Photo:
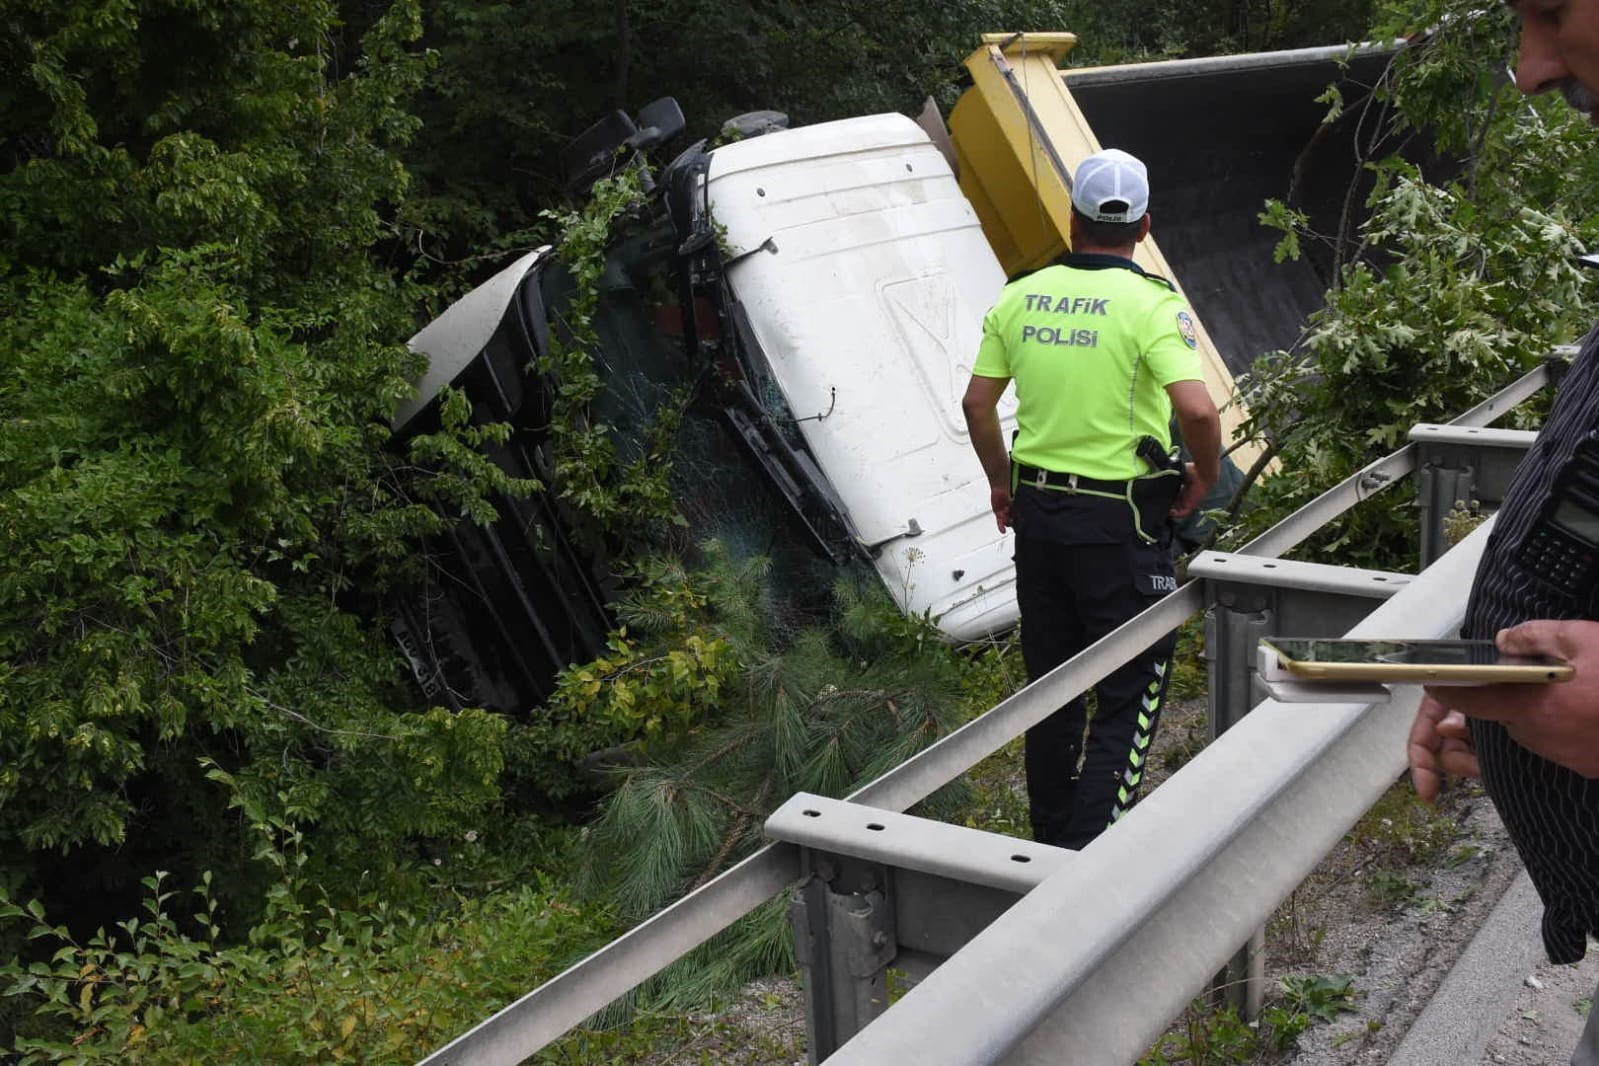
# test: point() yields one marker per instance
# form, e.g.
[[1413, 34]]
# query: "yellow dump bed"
[[1219, 136]]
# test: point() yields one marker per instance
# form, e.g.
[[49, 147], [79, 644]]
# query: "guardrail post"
[[844, 939], [1239, 615], [1439, 489], [1461, 464], [1249, 597]]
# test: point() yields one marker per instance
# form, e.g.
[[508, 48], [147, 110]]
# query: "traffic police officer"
[[1102, 355]]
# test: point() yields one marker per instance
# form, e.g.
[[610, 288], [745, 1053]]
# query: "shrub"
[[312, 982]]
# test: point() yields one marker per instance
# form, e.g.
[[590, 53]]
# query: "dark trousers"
[[1070, 595]]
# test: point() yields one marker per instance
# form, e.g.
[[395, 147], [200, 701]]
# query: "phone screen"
[[1401, 652], [1578, 521]]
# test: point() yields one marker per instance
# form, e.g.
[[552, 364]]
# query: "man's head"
[[1560, 51], [1110, 202]]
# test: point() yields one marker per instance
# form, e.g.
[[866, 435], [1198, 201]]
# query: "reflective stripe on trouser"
[[1143, 737]]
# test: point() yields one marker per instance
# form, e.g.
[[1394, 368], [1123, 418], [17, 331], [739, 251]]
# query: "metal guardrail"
[[1361, 485], [1074, 973], [545, 1014]]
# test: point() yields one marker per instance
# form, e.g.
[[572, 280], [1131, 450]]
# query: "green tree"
[[783, 703], [200, 354], [515, 82], [1111, 31], [1451, 288]]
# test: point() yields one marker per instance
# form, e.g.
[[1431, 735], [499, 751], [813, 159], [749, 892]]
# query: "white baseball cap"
[[1111, 186]]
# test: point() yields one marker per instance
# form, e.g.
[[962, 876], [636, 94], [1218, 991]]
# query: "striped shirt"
[[1551, 813]]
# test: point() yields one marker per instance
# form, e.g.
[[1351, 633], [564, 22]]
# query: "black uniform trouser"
[[1082, 571]]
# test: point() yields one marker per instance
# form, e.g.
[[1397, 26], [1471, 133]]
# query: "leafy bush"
[[1448, 291], [1307, 999], [313, 982], [664, 676], [198, 517]]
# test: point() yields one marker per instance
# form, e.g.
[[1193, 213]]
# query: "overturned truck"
[[817, 293]]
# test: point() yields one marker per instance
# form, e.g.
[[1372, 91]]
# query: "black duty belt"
[[1053, 479]]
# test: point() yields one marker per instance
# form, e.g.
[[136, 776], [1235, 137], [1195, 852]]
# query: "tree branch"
[[734, 833]]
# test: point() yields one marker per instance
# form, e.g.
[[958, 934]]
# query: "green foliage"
[[822, 708], [1205, 1038], [1451, 290], [628, 501], [1190, 676], [1323, 998], [1114, 31], [1208, 1037], [198, 517], [313, 981], [991, 670], [1389, 890], [654, 686], [760, 944], [1306, 1000], [998, 794], [512, 87], [1399, 829]]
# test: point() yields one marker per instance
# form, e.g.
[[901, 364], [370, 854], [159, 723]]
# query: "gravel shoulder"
[[1430, 992]]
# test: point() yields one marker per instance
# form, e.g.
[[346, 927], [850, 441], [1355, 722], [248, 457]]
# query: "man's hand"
[[999, 500], [1440, 743], [1558, 720], [1193, 494]]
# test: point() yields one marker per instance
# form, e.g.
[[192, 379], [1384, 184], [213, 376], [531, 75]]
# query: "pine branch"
[[734, 834]]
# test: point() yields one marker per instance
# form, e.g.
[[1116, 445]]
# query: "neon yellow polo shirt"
[[1091, 343]]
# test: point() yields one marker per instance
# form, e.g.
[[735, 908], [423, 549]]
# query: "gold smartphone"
[[1417, 662]]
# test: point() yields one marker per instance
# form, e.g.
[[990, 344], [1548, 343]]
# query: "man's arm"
[[1201, 428], [981, 407]]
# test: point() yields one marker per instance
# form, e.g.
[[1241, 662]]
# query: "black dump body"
[[1222, 136], [504, 606]]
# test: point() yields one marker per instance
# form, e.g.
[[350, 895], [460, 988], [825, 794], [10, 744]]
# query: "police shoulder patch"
[[1185, 326]]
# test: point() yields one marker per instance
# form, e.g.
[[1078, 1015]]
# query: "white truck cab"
[[865, 275]]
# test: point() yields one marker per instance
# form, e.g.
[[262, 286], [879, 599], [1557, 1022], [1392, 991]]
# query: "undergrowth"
[[312, 982]]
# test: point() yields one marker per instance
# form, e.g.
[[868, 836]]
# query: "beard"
[[1580, 97]]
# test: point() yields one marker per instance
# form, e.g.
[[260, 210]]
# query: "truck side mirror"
[[592, 154], [659, 121]]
